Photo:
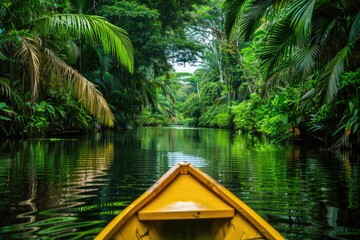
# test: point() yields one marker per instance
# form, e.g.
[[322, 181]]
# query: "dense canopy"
[[285, 69]]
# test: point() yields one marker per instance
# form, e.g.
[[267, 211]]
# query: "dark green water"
[[70, 189]]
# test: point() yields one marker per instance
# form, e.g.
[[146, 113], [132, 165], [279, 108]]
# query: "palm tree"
[[32, 36], [304, 39]]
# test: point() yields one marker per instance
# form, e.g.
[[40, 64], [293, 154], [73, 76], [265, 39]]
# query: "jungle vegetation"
[[285, 69], [71, 66]]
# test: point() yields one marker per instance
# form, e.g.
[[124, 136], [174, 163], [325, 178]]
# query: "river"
[[70, 188]]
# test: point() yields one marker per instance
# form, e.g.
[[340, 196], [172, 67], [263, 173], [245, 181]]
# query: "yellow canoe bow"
[[186, 203]]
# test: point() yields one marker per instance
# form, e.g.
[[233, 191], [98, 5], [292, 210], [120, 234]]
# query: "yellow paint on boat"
[[186, 203]]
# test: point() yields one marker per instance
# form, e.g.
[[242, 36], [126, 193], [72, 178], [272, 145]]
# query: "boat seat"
[[178, 201]]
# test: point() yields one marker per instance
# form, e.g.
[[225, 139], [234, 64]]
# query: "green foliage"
[[192, 108], [33, 55], [143, 25], [303, 39], [5, 89], [271, 119], [338, 123], [278, 117], [148, 118], [51, 35], [4, 108], [41, 118], [210, 93], [156, 42], [73, 116], [322, 119], [96, 30], [204, 105], [350, 81], [6, 115], [216, 116], [349, 126], [348, 132], [174, 14], [67, 115], [244, 114]]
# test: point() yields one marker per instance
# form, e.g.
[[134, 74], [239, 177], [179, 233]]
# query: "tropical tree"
[[158, 35], [306, 41], [36, 30]]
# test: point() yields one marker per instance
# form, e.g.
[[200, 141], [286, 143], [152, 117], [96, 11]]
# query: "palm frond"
[[105, 81], [167, 90], [3, 46], [354, 33], [342, 142], [247, 14], [105, 61], [350, 5], [329, 79], [301, 19], [86, 91], [323, 23], [165, 107], [252, 15], [149, 94], [282, 73], [308, 96], [278, 45], [95, 29], [306, 59], [5, 89], [30, 55], [232, 9]]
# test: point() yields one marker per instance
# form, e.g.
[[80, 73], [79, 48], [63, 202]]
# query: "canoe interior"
[[188, 204], [186, 198], [191, 229]]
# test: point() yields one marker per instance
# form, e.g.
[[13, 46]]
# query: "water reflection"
[[176, 157], [71, 188], [30, 203], [46, 180]]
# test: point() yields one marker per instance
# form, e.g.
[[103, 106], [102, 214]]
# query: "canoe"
[[186, 203]]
